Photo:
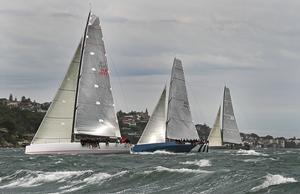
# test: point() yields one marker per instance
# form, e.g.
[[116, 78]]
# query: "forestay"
[[56, 126], [230, 129], [179, 118], [95, 114], [155, 131]]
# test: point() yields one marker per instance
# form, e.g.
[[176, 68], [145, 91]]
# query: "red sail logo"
[[103, 71]]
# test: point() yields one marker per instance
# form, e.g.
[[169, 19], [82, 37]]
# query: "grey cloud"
[[249, 45], [16, 12], [65, 15], [115, 19]]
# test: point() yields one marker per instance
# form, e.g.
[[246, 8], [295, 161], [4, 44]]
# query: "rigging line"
[[119, 81]]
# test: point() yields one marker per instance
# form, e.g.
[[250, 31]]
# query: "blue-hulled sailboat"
[[173, 131]]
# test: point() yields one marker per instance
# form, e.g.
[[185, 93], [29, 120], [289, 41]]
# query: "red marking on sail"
[[103, 71]]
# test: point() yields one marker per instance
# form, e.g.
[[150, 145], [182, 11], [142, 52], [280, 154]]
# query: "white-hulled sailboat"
[[225, 132], [81, 118], [174, 131]]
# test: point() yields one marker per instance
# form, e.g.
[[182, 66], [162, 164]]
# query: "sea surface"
[[231, 171]]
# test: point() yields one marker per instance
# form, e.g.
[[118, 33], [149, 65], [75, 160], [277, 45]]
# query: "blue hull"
[[168, 146]]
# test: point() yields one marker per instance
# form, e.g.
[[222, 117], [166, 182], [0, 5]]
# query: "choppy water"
[[234, 171]]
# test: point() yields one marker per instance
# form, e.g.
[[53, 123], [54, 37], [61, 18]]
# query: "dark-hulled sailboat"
[[81, 118], [167, 131]]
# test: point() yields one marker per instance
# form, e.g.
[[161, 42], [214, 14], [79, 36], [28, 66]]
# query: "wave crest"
[[28, 178], [250, 152], [97, 178], [200, 163], [177, 170], [274, 180]]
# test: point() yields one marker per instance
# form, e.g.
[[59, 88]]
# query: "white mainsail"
[[95, 114], [179, 117], [230, 129], [56, 126], [155, 130], [215, 138]]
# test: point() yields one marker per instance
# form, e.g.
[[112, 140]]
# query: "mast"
[[222, 127], [168, 104], [79, 72]]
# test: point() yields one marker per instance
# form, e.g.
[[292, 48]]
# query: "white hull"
[[77, 148]]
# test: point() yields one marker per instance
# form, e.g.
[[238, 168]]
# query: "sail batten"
[[230, 129], [155, 130], [179, 118]]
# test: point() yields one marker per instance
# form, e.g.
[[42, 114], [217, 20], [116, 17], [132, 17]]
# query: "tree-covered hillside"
[[17, 126]]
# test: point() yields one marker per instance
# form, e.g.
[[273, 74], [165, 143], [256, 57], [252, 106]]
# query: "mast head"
[[176, 61], [90, 4]]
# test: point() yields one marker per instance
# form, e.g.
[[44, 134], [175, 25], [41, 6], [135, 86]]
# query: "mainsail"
[[56, 126], [230, 129], [214, 137], [95, 114], [179, 117], [155, 131]]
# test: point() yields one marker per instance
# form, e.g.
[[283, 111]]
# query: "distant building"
[[24, 104], [297, 141], [293, 143], [133, 117], [269, 142], [12, 104], [280, 142], [129, 120]]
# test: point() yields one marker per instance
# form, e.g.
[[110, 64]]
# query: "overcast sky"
[[252, 46]]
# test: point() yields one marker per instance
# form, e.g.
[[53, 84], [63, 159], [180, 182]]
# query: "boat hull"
[[77, 148], [169, 147]]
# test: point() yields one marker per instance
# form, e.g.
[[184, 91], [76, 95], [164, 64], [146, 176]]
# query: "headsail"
[[179, 117], [214, 137], [95, 114], [155, 131], [230, 129], [56, 126]]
